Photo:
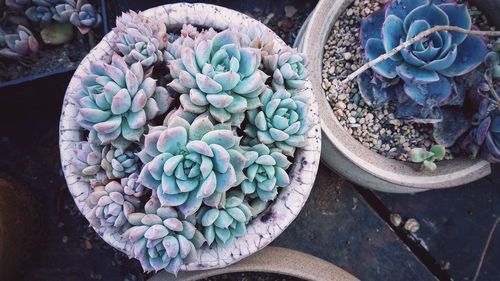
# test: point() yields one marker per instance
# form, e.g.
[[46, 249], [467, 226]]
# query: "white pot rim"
[[262, 229]]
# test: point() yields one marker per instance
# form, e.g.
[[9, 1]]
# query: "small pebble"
[[395, 219], [347, 56], [412, 225]]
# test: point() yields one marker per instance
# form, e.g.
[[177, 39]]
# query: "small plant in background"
[[427, 158], [20, 46], [205, 154], [52, 19], [428, 60]]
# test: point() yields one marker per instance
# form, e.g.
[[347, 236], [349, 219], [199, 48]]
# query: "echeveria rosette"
[[217, 75], [223, 225], [139, 39], [39, 14], [118, 163], [265, 172], [132, 186], [190, 164], [288, 69], [80, 13], [280, 121], [86, 163], [110, 206], [18, 45], [426, 65], [117, 100], [87, 160], [161, 239]]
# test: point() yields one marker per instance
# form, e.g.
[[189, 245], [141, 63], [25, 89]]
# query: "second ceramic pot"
[[344, 154]]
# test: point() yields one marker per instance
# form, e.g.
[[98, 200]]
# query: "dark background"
[[344, 224]]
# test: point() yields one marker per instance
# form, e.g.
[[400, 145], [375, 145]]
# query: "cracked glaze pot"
[[350, 158], [263, 229]]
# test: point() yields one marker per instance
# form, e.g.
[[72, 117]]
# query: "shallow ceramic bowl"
[[344, 154], [263, 229]]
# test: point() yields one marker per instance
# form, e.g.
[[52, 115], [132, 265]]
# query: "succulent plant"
[[224, 224], [87, 160], [110, 206], [288, 69], [217, 75], [427, 65], [62, 12], [17, 4], [80, 13], [256, 37], [39, 14], [117, 100], [118, 163], [19, 45], [139, 39], [280, 121], [492, 61], [265, 172], [190, 164], [161, 239], [427, 158], [131, 185]]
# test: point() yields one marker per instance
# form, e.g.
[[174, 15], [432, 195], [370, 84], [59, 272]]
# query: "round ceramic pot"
[[276, 260], [261, 230], [348, 157]]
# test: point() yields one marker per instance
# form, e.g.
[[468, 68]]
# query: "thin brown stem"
[[418, 37], [486, 246]]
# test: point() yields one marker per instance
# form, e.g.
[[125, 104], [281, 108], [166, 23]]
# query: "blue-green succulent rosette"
[[426, 68], [190, 164]]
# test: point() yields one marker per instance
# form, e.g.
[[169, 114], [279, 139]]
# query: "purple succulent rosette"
[[18, 45], [427, 66]]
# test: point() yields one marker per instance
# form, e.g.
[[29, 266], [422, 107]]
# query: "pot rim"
[[290, 263], [262, 229], [449, 173]]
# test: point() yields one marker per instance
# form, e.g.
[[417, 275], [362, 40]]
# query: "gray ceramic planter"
[[282, 211], [272, 260], [351, 159]]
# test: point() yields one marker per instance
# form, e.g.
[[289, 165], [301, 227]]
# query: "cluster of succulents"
[[190, 135], [51, 19], [439, 79]]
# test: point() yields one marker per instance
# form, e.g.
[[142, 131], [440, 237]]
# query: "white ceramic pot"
[[260, 232], [344, 154]]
